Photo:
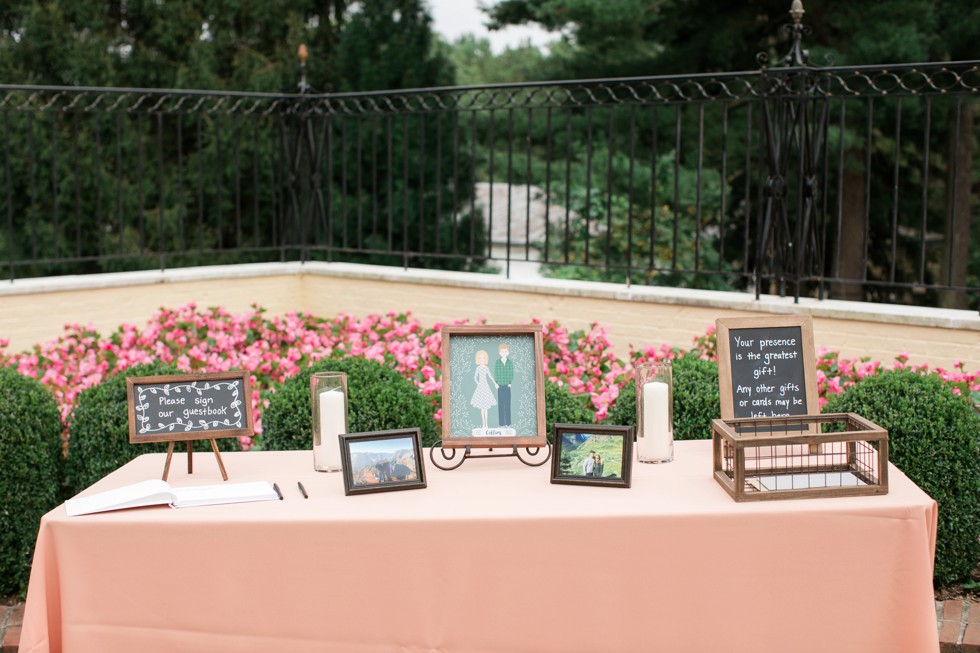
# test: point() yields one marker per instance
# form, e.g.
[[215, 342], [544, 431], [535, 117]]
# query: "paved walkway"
[[959, 626], [11, 617], [957, 633]]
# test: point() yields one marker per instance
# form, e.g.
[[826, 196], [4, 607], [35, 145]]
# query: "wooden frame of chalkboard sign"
[[767, 367], [190, 407]]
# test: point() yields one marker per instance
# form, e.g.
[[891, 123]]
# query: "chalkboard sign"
[[766, 366], [189, 407]]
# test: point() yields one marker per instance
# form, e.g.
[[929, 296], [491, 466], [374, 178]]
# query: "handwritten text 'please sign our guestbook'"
[[189, 407]]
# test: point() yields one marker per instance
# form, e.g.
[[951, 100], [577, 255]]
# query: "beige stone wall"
[[27, 319], [632, 323], [639, 317]]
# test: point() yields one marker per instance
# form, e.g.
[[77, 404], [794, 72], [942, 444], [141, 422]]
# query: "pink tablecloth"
[[490, 558]]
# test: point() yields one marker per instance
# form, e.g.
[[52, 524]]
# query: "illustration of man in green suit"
[[503, 374]]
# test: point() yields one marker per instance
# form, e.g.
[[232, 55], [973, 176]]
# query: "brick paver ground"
[[10, 621], [958, 623], [959, 626]]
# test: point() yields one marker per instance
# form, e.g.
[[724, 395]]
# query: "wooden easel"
[[190, 458], [235, 397]]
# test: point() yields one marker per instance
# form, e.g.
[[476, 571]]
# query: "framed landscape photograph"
[[493, 386], [382, 461], [586, 454]]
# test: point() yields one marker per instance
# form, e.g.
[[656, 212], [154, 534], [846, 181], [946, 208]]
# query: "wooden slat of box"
[[733, 438]]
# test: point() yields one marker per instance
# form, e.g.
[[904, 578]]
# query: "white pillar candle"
[[656, 441], [332, 425]]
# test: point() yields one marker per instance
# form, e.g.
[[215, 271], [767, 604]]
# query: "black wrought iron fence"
[[850, 182]]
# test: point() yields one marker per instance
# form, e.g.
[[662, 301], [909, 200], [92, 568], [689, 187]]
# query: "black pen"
[[275, 486], [303, 490]]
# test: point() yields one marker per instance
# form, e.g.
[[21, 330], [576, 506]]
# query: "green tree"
[[114, 182], [128, 177], [475, 63], [388, 44], [606, 39], [687, 36], [210, 44], [397, 182], [702, 36]]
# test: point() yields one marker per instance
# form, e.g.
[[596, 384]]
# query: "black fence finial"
[[797, 56], [303, 53]]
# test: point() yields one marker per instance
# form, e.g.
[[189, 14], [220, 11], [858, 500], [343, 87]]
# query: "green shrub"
[[934, 437], [98, 432], [696, 399], [562, 407], [379, 398], [30, 472]]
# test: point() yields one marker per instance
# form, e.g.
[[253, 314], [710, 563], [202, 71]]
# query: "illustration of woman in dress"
[[483, 397], [597, 469]]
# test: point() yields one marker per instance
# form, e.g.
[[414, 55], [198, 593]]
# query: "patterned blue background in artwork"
[[463, 417]]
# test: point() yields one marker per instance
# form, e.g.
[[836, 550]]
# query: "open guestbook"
[[156, 492]]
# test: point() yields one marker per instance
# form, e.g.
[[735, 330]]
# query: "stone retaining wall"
[[35, 310]]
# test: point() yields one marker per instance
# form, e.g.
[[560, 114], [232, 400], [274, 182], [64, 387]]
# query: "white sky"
[[453, 18]]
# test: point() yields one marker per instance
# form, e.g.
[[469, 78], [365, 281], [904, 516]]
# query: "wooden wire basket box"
[[800, 457]]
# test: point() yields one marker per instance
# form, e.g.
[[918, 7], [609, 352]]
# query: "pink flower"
[[275, 348]]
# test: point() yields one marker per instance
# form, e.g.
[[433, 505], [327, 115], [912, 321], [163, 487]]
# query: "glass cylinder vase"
[[654, 412], [328, 391]]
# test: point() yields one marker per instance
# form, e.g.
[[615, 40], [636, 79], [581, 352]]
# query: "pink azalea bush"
[[276, 348], [272, 349], [584, 362]]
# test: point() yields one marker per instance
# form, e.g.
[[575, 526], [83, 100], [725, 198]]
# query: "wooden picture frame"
[[192, 403], [751, 327], [470, 393], [368, 458], [187, 386], [579, 436]]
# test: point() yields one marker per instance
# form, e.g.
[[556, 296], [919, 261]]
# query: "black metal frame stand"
[[468, 453]]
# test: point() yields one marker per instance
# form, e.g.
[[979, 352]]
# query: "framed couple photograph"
[[382, 461], [587, 454], [493, 386]]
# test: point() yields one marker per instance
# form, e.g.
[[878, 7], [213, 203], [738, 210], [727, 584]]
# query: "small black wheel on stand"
[[533, 452], [450, 459]]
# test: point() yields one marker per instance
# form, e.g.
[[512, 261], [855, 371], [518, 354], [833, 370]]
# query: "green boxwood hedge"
[[30, 472], [563, 407], [696, 399], [379, 398], [98, 432], [934, 437]]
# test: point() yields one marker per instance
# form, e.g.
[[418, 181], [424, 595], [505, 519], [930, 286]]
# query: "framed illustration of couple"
[[493, 386]]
